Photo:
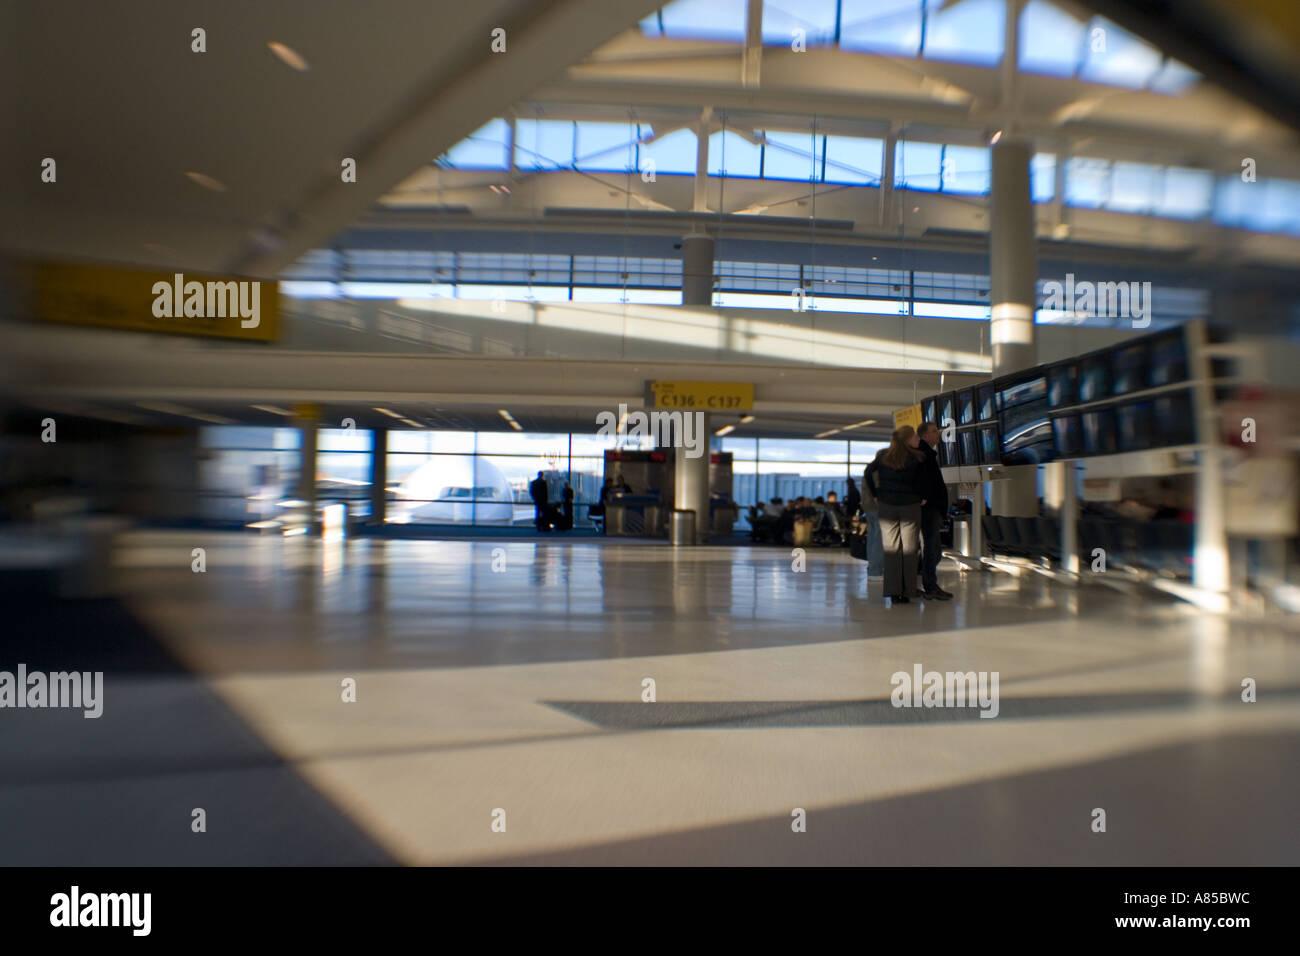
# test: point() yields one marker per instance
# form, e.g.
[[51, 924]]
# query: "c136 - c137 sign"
[[702, 396]]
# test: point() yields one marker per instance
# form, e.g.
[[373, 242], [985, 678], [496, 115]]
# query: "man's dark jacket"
[[933, 490]]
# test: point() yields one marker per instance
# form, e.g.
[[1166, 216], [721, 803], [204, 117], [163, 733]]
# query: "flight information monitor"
[[1026, 430], [1063, 385], [1094, 379], [947, 412], [1134, 426], [1130, 371], [990, 446], [1169, 358], [1099, 432], [970, 449], [1172, 419], [1066, 436], [966, 407]]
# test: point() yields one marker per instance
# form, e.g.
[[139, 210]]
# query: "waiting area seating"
[[1160, 547]]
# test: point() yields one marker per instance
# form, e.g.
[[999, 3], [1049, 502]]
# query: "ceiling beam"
[[472, 90]]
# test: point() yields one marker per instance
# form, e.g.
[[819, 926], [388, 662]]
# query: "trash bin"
[[961, 535], [681, 528]]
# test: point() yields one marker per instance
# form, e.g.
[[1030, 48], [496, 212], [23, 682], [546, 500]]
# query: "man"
[[835, 516], [566, 508], [538, 491], [935, 493]]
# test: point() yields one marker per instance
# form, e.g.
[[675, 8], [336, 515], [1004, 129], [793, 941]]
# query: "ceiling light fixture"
[[289, 56], [167, 408], [746, 419], [390, 414], [725, 430], [996, 136], [273, 410], [207, 182]]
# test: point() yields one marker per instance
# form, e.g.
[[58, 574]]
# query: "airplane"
[[451, 489]]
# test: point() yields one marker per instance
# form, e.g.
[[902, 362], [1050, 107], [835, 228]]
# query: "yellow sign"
[[703, 396], [911, 415], [178, 303]]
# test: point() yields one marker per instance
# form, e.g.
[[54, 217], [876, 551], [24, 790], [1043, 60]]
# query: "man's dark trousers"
[[931, 523]]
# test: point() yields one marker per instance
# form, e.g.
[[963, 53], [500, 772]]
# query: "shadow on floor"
[[1226, 801], [740, 714], [121, 789]]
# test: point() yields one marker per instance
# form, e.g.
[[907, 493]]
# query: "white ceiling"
[[112, 91]]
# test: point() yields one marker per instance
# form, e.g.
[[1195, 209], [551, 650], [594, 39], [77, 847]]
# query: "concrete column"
[[1013, 258], [378, 476], [1013, 286], [691, 481], [887, 217], [1061, 496], [306, 417], [1211, 567], [691, 475], [697, 270], [700, 198], [1070, 520], [977, 513]]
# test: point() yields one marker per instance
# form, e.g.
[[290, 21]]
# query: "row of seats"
[[1160, 546]]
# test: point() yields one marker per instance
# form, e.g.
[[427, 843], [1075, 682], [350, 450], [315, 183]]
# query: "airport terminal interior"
[[438, 434]]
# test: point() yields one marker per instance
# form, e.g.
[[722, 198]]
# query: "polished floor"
[[508, 676]]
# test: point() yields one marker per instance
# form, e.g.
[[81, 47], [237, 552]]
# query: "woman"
[[894, 478]]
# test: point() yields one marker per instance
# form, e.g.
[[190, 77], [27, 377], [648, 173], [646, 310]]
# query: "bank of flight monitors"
[[803, 521], [549, 515], [911, 501]]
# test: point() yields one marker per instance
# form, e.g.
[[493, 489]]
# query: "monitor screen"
[[1130, 372], [1134, 426], [1098, 432], [927, 410], [1026, 431], [1094, 379], [947, 411], [1029, 443], [1173, 422], [1066, 437], [984, 403], [1023, 391], [966, 405], [1169, 359], [949, 450], [970, 449], [1062, 385], [990, 453]]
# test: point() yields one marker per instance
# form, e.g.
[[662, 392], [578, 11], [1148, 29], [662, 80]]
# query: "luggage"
[[858, 546], [858, 538], [803, 529]]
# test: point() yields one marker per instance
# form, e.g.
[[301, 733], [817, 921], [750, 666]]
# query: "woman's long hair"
[[900, 454]]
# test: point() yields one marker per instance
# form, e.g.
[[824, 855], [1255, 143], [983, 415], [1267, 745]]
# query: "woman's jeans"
[[875, 550]]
